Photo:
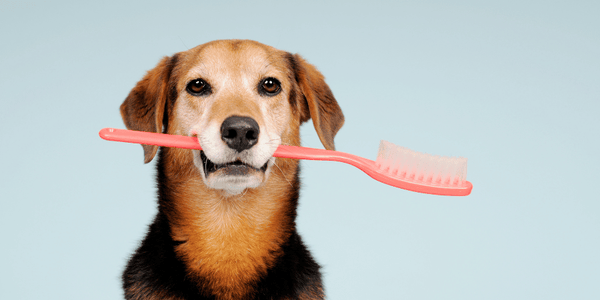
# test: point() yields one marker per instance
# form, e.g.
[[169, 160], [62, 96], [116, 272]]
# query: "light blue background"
[[512, 85]]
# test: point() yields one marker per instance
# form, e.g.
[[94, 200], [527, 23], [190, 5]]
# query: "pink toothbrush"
[[395, 166]]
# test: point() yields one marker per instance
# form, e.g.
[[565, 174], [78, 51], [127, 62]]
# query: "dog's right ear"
[[144, 108]]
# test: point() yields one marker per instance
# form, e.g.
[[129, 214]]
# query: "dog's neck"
[[228, 242]]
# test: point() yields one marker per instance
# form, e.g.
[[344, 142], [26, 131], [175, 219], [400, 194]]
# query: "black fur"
[[156, 268]]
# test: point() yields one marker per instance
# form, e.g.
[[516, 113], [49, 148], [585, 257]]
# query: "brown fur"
[[227, 243]]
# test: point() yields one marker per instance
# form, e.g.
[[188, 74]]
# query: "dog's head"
[[242, 99]]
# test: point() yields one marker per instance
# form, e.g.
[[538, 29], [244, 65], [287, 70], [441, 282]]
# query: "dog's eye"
[[198, 87], [269, 87]]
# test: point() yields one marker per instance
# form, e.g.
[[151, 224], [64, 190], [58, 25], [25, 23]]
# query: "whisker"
[[275, 164]]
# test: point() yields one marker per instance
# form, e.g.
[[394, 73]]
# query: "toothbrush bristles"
[[414, 166]]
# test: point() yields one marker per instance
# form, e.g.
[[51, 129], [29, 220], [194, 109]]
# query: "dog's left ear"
[[318, 102], [144, 108]]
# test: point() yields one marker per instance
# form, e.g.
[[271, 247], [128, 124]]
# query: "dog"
[[225, 227]]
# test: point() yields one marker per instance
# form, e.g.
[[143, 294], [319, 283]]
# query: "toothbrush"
[[396, 166]]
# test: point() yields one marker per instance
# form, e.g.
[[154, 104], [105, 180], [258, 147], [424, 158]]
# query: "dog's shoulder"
[[154, 271], [296, 275]]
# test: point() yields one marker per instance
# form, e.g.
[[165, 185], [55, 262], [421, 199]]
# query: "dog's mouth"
[[236, 167]]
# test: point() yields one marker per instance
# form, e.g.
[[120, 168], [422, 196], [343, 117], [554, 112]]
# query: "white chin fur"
[[231, 184]]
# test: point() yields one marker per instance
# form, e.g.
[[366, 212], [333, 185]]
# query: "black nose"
[[240, 133]]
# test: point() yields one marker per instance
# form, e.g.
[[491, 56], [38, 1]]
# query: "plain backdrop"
[[514, 86]]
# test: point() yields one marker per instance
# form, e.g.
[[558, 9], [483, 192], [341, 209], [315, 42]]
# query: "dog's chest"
[[229, 244]]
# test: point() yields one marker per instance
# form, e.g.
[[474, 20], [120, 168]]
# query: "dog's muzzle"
[[240, 134], [236, 167]]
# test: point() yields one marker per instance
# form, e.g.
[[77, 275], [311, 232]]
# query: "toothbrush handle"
[[294, 152], [149, 138], [188, 142]]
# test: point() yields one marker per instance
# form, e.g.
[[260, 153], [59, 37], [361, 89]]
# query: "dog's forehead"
[[234, 56]]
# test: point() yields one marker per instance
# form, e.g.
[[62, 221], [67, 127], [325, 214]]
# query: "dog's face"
[[242, 100], [235, 99]]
